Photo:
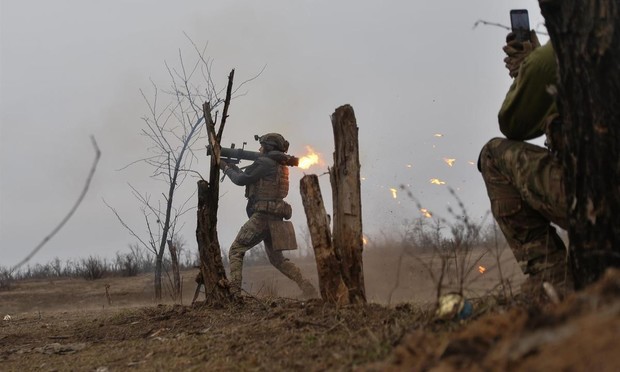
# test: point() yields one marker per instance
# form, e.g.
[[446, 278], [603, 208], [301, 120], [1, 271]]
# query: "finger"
[[510, 37], [510, 50], [534, 39]]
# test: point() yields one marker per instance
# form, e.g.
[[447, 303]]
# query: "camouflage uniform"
[[525, 182], [267, 184]]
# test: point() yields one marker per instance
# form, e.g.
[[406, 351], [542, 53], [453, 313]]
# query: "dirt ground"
[[70, 325]]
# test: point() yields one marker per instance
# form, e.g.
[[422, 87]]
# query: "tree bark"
[[586, 39], [331, 284], [346, 192], [212, 270]]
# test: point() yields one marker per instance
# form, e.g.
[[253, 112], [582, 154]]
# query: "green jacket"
[[527, 103]]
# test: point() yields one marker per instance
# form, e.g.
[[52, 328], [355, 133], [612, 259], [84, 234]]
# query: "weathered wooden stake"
[[331, 284], [346, 191]]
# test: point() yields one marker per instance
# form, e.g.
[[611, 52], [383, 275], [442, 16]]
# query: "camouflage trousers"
[[255, 230], [525, 184]]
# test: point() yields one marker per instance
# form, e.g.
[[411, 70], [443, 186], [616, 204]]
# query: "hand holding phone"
[[520, 23]]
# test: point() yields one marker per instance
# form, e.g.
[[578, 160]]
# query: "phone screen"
[[520, 23]]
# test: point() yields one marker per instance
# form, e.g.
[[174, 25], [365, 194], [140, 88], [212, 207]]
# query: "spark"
[[426, 213], [436, 181], [449, 161], [393, 191], [482, 269], [438, 135]]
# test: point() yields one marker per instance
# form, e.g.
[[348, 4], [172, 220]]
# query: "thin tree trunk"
[[331, 284], [157, 280], [346, 191], [176, 275], [586, 39]]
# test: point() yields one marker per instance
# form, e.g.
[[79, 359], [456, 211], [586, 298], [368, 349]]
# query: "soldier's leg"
[[289, 269], [525, 186], [250, 234]]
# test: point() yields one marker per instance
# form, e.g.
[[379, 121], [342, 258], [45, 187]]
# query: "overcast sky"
[[74, 68]]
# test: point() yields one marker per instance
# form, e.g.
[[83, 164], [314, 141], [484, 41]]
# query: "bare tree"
[[172, 127]]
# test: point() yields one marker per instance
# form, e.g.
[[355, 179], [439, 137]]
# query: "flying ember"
[[449, 161], [438, 135], [393, 191], [482, 269], [310, 159], [426, 213], [437, 181]]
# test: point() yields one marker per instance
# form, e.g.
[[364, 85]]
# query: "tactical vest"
[[266, 195], [271, 187]]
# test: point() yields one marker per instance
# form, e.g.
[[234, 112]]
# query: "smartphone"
[[520, 24]]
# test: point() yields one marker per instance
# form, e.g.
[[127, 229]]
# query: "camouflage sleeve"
[[259, 169], [527, 103]]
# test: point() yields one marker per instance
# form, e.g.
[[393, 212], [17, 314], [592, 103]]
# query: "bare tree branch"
[[89, 178]]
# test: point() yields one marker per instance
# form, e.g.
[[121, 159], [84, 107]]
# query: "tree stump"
[[211, 266], [331, 284], [346, 192]]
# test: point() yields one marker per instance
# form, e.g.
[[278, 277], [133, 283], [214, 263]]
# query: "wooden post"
[[346, 191], [331, 284]]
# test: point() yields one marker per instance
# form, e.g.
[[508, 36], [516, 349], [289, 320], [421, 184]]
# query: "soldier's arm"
[[528, 103], [260, 168]]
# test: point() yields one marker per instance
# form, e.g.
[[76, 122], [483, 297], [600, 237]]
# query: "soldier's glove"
[[224, 165], [516, 51]]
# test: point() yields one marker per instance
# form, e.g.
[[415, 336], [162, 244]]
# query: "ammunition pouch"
[[282, 235], [278, 208]]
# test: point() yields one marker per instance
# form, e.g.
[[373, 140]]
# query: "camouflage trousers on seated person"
[[255, 230], [525, 184]]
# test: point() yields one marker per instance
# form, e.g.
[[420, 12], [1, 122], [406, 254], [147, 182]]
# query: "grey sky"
[[72, 68]]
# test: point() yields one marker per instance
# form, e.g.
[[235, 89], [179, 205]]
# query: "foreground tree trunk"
[[586, 39], [331, 284], [212, 273], [346, 192]]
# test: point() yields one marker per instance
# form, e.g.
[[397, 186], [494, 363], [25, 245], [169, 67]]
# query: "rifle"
[[233, 155]]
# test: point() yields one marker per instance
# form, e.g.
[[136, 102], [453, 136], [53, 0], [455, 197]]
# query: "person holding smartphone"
[[525, 182]]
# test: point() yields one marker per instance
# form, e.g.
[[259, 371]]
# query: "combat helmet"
[[275, 140]]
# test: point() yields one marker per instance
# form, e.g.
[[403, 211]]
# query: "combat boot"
[[307, 290], [553, 269]]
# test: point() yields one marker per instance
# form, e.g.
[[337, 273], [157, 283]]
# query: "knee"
[[489, 154]]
